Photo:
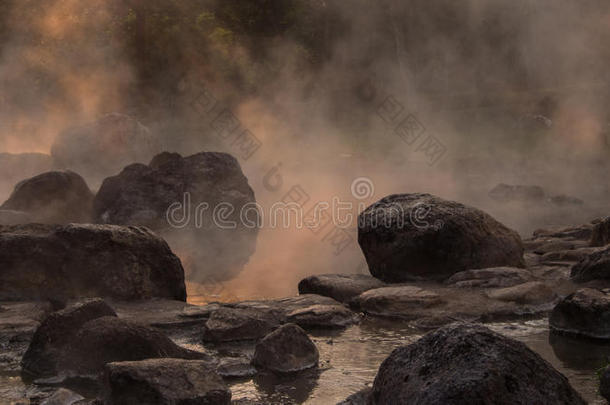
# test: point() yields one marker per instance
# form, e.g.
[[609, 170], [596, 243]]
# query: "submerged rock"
[[103, 147], [595, 266], [469, 364], [583, 313], [490, 278], [420, 236], [286, 350], [201, 203], [53, 198], [164, 381], [342, 287], [62, 262]]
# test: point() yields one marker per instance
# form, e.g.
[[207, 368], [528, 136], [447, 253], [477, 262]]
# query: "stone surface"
[[490, 278], [583, 313], [288, 349], [595, 266], [469, 364], [59, 197], [63, 262], [202, 204], [341, 287], [396, 300], [164, 381], [419, 236], [231, 324], [323, 316], [533, 292]]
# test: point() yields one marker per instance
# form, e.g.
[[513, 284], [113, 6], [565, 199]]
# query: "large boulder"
[[201, 203], [583, 313], [59, 197], [342, 287], [419, 236], [594, 266], [101, 148], [62, 262], [164, 381], [288, 349], [471, 365]]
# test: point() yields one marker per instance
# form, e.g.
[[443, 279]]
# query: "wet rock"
[[59, 197], [584, 313], [62, 262], [511, 193], [235, 368], [164, 381], [533, 292], [201, 203], [288, 349], [421, 236], [103, 147], [595, 266], [469, 364], [63, 397], [231, 324], [604, 384], [52, 338], [490, 278], [342, 287], [323, 316], [10, 217], [389, 301], [600, 236]]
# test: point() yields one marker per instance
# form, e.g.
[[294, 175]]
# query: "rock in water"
[[232, 324], [164, 381], [201, 203], [288, 349], [601, 233], [53, 198], [585, 313], [103, 147], [595, 266], [470, 365], [342, 287], [508, 193], [419, 236], [490, 278], [62, 262]]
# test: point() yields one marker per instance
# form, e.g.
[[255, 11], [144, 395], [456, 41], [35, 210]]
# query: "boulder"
[[403, 301], [201, 203], [231, 324], [288, 349], [604, 383], [19, 166], [490, 278], [532, 293], [420, 236], [102, 148], [583, 313], [164, 381], [469, 364], [52, 338], [595, 266], [53, 198], [342, 287], [600, 236], [323, 316], [62, 262], [517, 193]]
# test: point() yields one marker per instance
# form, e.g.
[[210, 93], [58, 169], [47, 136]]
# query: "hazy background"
[[308, 78]]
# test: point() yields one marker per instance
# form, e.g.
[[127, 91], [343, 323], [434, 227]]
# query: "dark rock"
[[469, 364], [342, 287], [53, 337], [182, 198], [604, 383], [16, 167], [361, 397], [533, 292], [288, 349], [235, 368], [509, 193], [600, 235], [164, 381], [425, 237], [103, 147], [231, 324], [490, 278], [387, 301], [323, 316], [63, 397], [582, 232], [595, 266], [558, 245], [53, 198], [585, 313], [573, 255], [61, 262]]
